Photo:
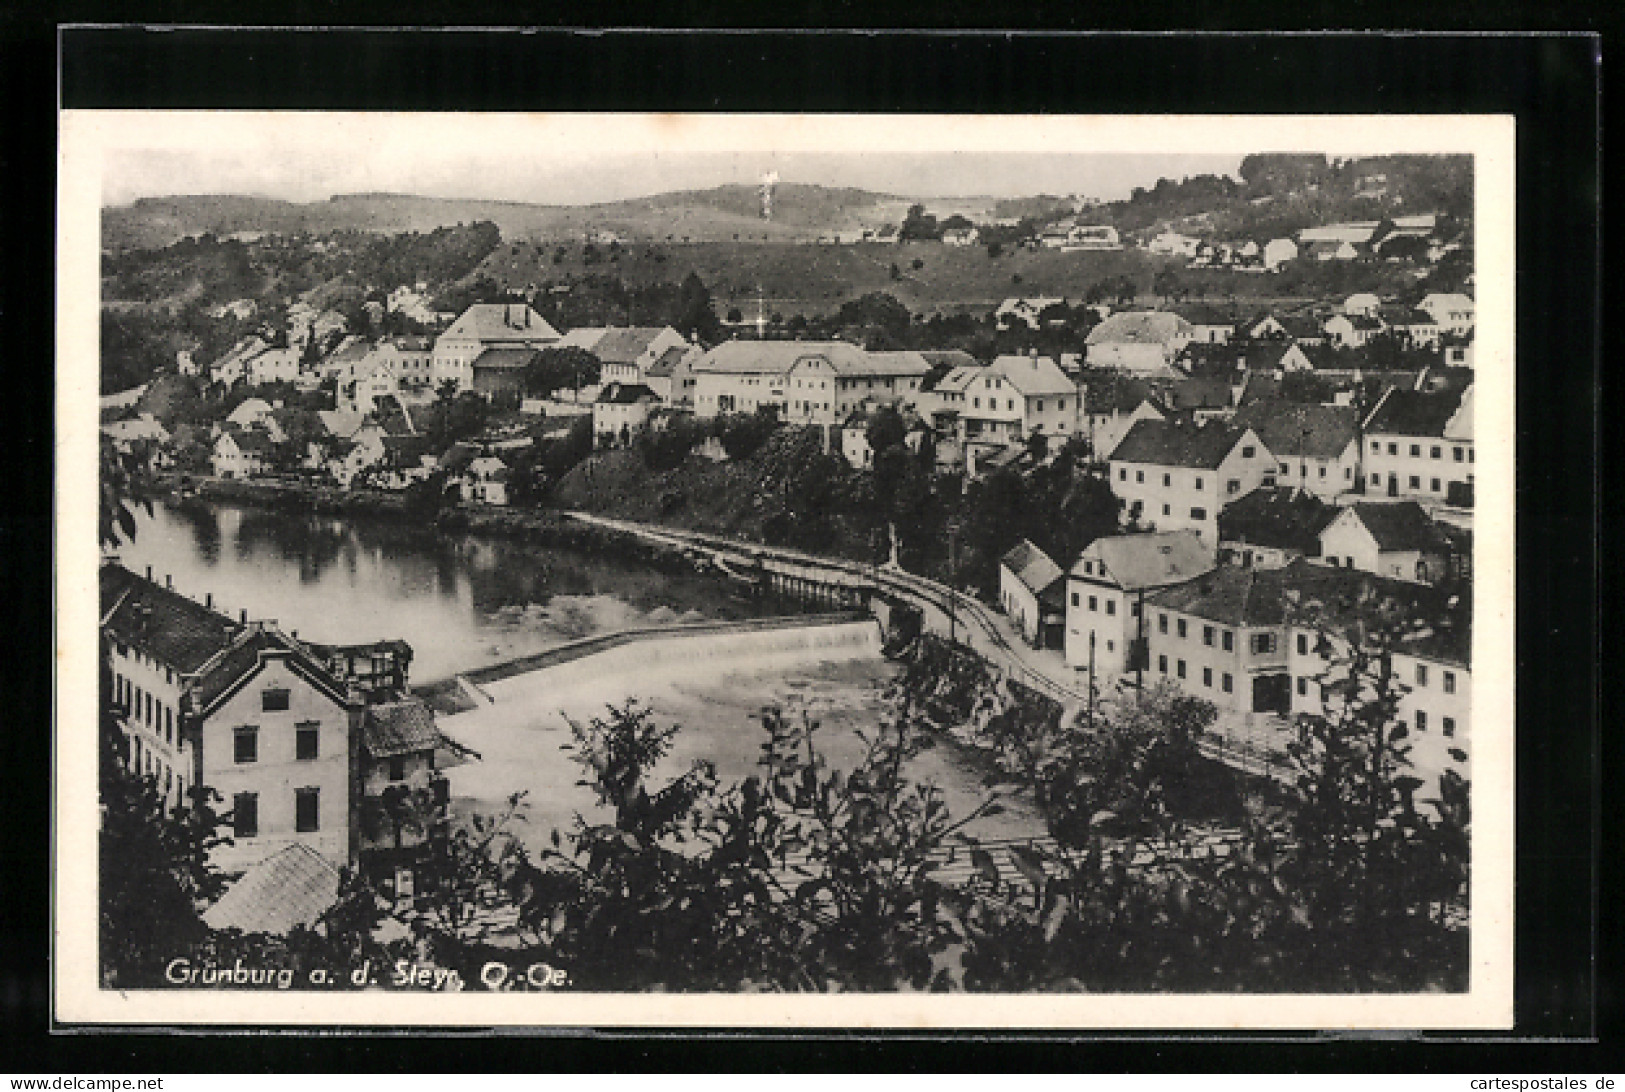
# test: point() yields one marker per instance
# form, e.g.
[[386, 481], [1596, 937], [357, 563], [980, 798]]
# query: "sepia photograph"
[[758, 570]]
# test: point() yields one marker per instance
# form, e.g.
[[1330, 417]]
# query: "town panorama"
[[784, 587]]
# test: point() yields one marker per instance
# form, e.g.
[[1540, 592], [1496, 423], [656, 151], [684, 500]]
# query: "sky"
[[577, 159]]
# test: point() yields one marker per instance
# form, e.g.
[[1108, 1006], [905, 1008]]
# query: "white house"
[[960, 237], [1106, 590], [621, 411], [273, 366], [810, 382], [1362, 303], [487, 326], [1174, 477], [1049, 401], [1419, 445], [625, 352], [1353, 331], [1138, 342], [1277, 252], [1031, 593], [1395, 539], [1453, 311], [241, 453], [485, 481], [1316, 448]]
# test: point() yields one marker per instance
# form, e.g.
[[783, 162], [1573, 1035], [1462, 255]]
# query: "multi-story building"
[[1419, 445], [625, 353], [1106, 591], [1174, 477], [1221, 637], [1031, 593], [1139, 342], [1272, 527], [1396, 539], [1049, 401], [1316, 447], [807, 382], [1453, 311], [487, 326]]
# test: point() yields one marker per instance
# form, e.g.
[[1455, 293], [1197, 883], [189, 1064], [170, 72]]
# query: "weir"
[[632, 656]]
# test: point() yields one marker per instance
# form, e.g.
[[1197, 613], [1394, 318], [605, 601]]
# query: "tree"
[[695, 316], [885, 429], [919, 226], [555, 369]]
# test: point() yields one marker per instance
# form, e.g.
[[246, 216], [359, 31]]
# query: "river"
[[464, 601]]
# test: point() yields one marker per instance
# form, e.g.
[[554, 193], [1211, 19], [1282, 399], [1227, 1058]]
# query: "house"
[[621, 411], [1173, 243], [486, 326], [811, 382], [1284, 326], [1274, 357], [982, 406], [1027, 310], [1085, 237], [1113, 404], [1419, 445], [398, 778], [1430, 658], [1031, 593], [1208, 323], [485, 481], [1271, 527], [625, 352], [1138, 342], [1354, 232], [1330, 250], [1316, 447], [250, 413], [186, 363], [1048, 400], [371, 378], [411, 359], [1397, 540], [1362, 303], [1452, 311], [1352, 331], [1222, 637], [1106, 591], [243, 709], [1277, 252], [232, 367], [143, 428], [671, 376], [960, 236], [499, 371], [344, 362], [272, 366], [242, 453], [1177, 477], [1200, 400]]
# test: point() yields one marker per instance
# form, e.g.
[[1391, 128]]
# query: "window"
[[1207, 676], [1207, 636], [1162, 664], [1232, 486], [1248, 452], [1435, 452], [1167, 510], [1139, 476], [1322, 472], [1198, 513], [397, 768], [1303, 686], [1162, 623], [1094, 603], [307, 741], [1449, 727], [1227, 684], [1110, 647], [245, 815], [274, 701], [1449, 682], [1111, 606], [1303, 644], [1421, 721], [1263, 644], [1039, 406], [1179, 669], [1348, 473], [307, 810], [169, 725], [1393, 449], [1375, 447], [1167, 481], [1074, 599], [1376, 479], [1416, 451], [1416, 482], [1134, 609], [1421, 674], [245, 744], [1122, 474], [1180, 624], [1228, 641], [1198, 483], [1456, 451]]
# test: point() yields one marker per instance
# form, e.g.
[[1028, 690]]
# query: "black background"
[[1549, 82]]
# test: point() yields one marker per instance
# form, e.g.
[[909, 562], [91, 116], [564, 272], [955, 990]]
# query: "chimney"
[[242, 616]]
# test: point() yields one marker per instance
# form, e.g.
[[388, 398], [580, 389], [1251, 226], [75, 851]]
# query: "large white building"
[[487, 326], [1139, 342], [1316, 447], [1106, 590], [1419, 444], [1173, 477], [807, 382]]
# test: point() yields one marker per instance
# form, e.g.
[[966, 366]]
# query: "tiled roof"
[[293, 887], [164, 624], [1414, 413], [667, 362], [1139, 328], [1346, 601], [506, 359], [1400, 525], [904, 362], [624, 345], [953, 358], [1034, 376], [1110, 393], [1280, 518], [253, 440], [1031, 566], [1229, 594], [242, 661], [1300, 430], [584, 337], [1155, 560], [399, 728], [1258, 387], [501, 322], [1191, 394], [1164, 443], [778, 357]]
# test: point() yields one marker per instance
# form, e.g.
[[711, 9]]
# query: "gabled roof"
[[1300, 430], [1204, 394], [1031, 566], [164, 624], [1345, 601], [1107, 392], [625, 345], [248, 411], [1139, 328], [1356, 321], [1164, 443], [778, 357], [1414, 413], [902, 362], [626, 394], [252, 646], [666, 364], [1136, 562], [340, 423], [457, 457], [1034, 376], [583, 337], [1280, 518], [1400, 525], [501, 322], [1231, 595], [508, 359], [399, 728], [295, 886]]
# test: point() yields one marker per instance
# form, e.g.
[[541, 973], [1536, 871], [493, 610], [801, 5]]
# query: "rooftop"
[[1136, 562], [1165, 443], [172, 629], [399, 728], [293, 887], [1279, 518], [1031, 566], [1139, 328]]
